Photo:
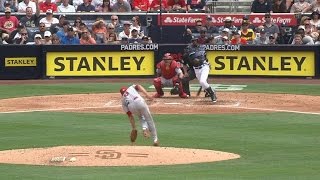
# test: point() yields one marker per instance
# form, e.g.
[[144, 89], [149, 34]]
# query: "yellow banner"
[[100, 63], [262, 63], [20, 61]]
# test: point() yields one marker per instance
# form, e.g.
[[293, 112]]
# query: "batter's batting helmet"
[[123, 89]]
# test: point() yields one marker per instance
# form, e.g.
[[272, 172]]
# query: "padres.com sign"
[[100, 63], [264, 63]]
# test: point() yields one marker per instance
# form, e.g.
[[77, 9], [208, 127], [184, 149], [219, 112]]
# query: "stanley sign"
[[100, 63], [264, 63]]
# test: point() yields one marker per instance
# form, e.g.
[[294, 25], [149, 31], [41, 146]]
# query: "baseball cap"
[[70, 28], [126, 22], [145, 37], [301, 27], [225, 30], [7, 9], [228, 19], [194, 38], [37, 36], [134, 29], [262, 31], [49, 11], [47, 33], [267, 15], [245, 22], [271, 36], [123, 89], [225, 37], [62, 16]]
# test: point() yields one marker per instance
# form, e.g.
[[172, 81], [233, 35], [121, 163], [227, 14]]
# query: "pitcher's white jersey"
[[129, 97]]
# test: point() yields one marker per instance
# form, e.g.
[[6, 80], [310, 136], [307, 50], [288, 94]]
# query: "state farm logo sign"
[[179, 19], [276, 19]]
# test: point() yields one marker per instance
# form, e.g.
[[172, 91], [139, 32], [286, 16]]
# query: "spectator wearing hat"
[[314, 6], [262, 39], [301, 30], [86, 6], [211, 29], [26, 3], [225, 40], [246, 32], [140, 5], [12, 4], [49, 19], [237, 39], [121, 6], [261, 6], [15, 33], [300, 6], [146, 40], [47, 38], [203, 38], [177, 5], [54, 28], [37, 39], [70, 38], [309, 29], [270, 27], [86, 38], [31, 20], [47, 4], [65, 7], [134, 37], [218, 39], [193, 5], [228, 23], [315, 19], [278, 6], [126, 33], [272, 40], [8, 23]]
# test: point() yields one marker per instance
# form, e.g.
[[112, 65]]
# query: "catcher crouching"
[[169, 74]]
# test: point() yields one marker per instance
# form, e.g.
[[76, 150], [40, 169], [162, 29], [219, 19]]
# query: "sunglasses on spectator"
[[42, 26], [110, 28], [23, 33], [78, 21], [47, 36], [114, 19]]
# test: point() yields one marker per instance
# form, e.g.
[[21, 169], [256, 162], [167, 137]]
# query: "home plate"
[[173, 103]]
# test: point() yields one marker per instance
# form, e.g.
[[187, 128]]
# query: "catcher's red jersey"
[[168, 72]]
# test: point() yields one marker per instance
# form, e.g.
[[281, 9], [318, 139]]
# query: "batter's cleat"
[[183, 95], [214, 97], [157, 95], [146, 133], [207, 94], [156, 143]]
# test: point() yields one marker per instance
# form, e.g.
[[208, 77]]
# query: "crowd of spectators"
[[34, 29], [307, 32]]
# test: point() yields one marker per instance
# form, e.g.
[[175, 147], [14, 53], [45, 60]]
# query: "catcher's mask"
[[167, 57], [122, 90]]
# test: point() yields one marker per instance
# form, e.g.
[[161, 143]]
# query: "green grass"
[[10, 91], [272, 146]]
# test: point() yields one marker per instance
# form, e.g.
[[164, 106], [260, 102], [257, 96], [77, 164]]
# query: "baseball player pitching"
[[198, 59], [169, 75], [133, 103]]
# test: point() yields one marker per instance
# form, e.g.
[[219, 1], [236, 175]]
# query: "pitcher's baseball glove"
[[133, 135]]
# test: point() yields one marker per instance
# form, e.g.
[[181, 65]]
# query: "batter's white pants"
[[202, 75]]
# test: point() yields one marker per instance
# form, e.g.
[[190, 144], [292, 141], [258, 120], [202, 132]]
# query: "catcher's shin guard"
[[185, 86], [182, 94], [158, 87], [212, 94]]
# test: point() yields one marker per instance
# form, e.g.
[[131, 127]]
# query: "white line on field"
[[227, 106]]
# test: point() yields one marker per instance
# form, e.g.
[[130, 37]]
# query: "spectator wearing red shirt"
[[155, 5], [8, 23], [177, 5], [47, 4], [141, 5], [237, 39]]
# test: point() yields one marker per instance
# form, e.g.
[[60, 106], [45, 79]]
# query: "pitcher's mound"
[[111, 156]]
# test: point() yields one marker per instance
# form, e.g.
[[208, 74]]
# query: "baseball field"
[[266, 129]]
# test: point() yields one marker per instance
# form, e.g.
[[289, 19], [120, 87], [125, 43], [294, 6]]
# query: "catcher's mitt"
[[133, 135]]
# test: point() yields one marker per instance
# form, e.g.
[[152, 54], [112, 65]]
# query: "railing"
[[229, 6]]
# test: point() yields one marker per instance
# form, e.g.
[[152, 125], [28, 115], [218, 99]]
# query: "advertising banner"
[[218, 19], [264, 63], [126, 63]]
